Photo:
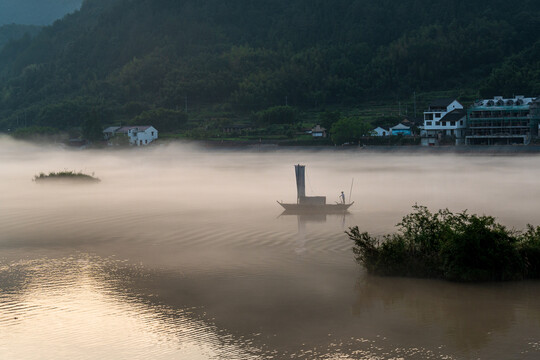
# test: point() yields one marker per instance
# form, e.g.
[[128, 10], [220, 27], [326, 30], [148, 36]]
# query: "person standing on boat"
[[342, 197]]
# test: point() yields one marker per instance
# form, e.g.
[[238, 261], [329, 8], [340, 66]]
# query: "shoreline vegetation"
[[452, 246], [71, 176]]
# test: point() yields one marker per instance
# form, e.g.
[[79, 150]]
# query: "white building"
[[318, 131], [137, 135], [379, 132], [444, 117]]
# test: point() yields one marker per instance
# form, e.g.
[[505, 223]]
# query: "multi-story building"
[[500, 121], [444, 118], [534, 113]]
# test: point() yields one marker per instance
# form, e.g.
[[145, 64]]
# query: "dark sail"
[[300, 171]]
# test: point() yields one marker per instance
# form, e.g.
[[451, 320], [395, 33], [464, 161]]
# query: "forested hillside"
[[16, 32], [127, 57]]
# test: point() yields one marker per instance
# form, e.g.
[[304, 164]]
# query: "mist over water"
[[182, 252]]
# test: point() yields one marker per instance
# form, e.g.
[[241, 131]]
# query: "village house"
[[137, 135], [400, 129], [444, 117], [109, 132], [379, 132], [318, 131]]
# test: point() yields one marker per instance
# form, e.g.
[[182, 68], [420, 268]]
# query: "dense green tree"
[[520, 72], [329, 118], [165, 120], [15, 32], [458, 247], [349, 130], [92, 130], [278, 115]]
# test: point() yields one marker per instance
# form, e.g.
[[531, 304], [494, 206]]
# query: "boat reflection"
[[313, 218]]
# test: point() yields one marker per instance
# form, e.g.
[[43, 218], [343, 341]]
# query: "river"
[[182, 252]]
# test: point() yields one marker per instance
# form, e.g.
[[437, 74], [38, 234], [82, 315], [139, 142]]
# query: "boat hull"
[[315, 208]]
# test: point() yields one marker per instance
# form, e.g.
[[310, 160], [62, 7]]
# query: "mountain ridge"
[[35, 12], [128, 56]]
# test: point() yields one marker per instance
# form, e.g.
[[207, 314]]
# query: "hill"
[[224, 58], [15, 32], [35, 12]]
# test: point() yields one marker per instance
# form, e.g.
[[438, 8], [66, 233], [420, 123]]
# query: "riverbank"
[[416, 149]]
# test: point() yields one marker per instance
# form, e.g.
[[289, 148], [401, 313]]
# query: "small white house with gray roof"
[[379, 131], [110, 132], [137, 135]]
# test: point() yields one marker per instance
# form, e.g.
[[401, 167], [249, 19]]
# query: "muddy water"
[[182, 253]]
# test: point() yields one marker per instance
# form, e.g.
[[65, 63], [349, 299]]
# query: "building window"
[[437, 115], [428, 123], [437, 123], [444, 123], [429, 116], [152, 133], [461, 122], [452, 123]]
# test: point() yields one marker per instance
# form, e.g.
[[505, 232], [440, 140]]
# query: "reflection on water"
[[183, 254], [62, 308], [306, 218], [91, 307]]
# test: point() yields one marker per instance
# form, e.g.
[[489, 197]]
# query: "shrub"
[[529, 250], [458, 247], [66, 176]]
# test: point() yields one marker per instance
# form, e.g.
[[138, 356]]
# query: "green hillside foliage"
[[15, 32], [125, 58]]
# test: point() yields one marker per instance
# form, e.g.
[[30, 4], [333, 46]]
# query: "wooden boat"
[[307, 208], [311, 204]]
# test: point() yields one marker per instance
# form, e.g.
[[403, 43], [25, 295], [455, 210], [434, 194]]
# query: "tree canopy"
[[249, 56], [349, 130]]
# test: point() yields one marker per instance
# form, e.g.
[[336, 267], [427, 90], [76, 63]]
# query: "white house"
[[137, 135], [379, 132], [318, 131], [444, 117]]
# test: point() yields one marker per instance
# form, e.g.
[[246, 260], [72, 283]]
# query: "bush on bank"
[[66, 175], [452, 246]]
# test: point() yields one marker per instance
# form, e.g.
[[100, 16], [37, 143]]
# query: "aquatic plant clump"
[[66, 175], [458, 247]]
